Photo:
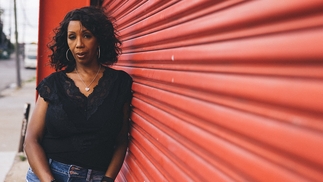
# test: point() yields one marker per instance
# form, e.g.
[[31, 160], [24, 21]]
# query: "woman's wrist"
[[107, 179]]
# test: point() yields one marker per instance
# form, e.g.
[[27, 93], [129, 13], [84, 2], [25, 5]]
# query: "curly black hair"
[[99, 24]]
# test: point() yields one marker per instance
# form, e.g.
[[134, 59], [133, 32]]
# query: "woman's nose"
[[79, 43]]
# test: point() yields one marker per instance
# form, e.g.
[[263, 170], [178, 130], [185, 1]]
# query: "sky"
[[27, 20]]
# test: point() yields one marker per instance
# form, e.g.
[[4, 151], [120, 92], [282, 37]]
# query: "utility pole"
[[17, 48]]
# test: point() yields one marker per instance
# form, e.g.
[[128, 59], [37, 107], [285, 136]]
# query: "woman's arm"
[[121, 148], [35, 153]]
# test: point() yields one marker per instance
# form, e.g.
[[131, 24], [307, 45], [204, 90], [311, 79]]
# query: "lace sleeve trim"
[[46, 89]]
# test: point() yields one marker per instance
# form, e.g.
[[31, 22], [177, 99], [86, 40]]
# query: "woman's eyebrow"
[[86, 30]]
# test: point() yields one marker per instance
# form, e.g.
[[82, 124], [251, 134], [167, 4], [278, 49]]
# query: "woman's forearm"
[[38, 161], [117, 160], [121, 148], [35, 153]]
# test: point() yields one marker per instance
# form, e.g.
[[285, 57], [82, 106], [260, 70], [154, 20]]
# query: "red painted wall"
[[51, 12]]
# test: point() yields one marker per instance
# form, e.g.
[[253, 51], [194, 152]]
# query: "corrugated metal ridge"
[[126, 9], [243, 50], [160, 159], [134, 167], [221, 113], [184, 155], [197, 108], [113, 5], [223, 148], [151, 42], [217, 27], [313, 71], [282, 114], [185, 11], [254, 87], [145, 10], [143, 154]]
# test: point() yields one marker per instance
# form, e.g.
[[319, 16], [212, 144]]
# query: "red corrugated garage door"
[[223, 90]]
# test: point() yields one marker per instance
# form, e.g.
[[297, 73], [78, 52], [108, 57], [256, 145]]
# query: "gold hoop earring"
[[66, 54]]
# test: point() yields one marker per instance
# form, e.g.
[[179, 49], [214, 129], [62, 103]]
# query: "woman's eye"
[[87, 36], [71, 37]]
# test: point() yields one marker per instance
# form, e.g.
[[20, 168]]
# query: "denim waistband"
[[73, 170]]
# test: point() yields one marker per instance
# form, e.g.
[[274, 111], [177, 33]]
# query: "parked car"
[[30, 57], [4, 54]]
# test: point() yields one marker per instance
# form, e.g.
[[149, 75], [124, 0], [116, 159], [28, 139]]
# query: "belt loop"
[[88, 177]]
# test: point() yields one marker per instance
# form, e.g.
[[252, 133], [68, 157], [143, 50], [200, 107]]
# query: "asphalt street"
[[8, 72]]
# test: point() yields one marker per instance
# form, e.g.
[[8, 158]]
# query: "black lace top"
[[82, 130]]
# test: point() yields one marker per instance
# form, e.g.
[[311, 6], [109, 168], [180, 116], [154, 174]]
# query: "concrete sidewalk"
[[12, 105]]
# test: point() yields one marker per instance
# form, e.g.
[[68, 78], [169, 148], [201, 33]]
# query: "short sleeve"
[[46, 88]]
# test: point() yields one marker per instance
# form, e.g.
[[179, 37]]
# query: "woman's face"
[[82, 43]]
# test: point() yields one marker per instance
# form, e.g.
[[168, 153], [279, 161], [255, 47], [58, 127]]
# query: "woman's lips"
[[80, 55]]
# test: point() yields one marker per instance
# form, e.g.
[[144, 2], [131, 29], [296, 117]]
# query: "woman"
[[79, 127]]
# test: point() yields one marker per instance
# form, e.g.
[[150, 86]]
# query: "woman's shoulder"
[[53, 77], [55, 74], [118, 73], [49, 85]]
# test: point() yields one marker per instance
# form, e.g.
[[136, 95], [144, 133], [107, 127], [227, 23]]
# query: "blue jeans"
[[68, 173]]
